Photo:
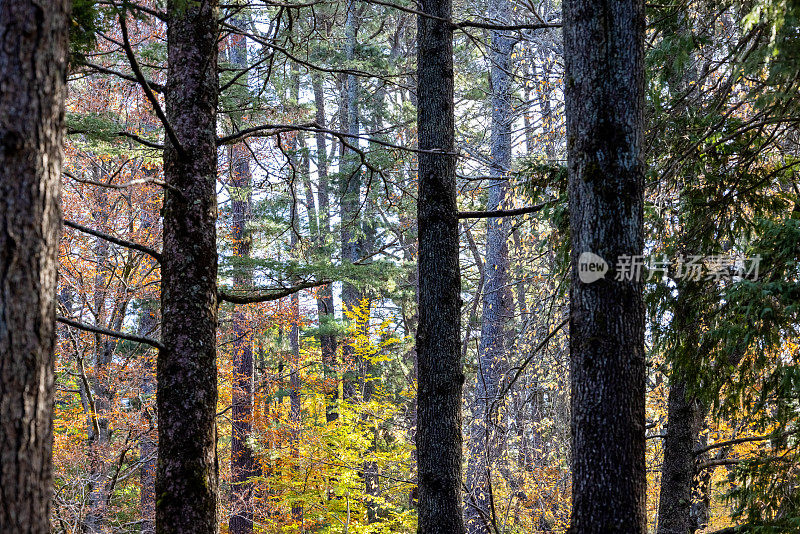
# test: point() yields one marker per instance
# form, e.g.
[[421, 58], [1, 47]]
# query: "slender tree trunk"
[[685, 412], [97, 422], [685, 420], [296, 407], [187, 477], [243, 463], [497, 303], [604, 51], [325, 310], [441, 376], [352, 242], [147, 445], [33, 61]]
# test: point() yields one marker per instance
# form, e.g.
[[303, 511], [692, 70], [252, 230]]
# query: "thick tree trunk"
[[603, 48], [497, 302], [441, 376], [186, 484], [243, 463], [33, 60]]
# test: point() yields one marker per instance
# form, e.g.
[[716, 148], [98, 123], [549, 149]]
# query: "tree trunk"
[[685, 419], [603, 45], [350, 203], [243, 463], [296, 406], [441, 376], [33, 60], [325, 310], [186, 484], [497, 303], [148, 445], [97, 420]]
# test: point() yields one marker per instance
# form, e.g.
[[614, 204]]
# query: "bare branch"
[[157, 87], [146, 87], [110, 333], [116, 240]]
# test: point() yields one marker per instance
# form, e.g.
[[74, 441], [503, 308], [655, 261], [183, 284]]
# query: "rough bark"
[[186, 482], [33, 59], [441, 376], [603, 45], [497, 303]]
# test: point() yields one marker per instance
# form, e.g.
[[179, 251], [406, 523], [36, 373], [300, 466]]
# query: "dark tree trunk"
[[186, 484], [441, 376], [686, 416], [243, 463], [682, 506], [603, 48], [33, 60], [497, 303]]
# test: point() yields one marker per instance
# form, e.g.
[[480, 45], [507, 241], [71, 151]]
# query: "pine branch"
[[273, 294], [736, 441], [501, 213], [116, 240], [110, 333]]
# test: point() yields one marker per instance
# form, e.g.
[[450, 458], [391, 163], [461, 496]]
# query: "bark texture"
[[186, 483], [441, 376], [603, 45], [33, 60]]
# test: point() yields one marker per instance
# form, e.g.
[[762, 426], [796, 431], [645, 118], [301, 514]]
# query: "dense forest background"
[[312, 241]]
